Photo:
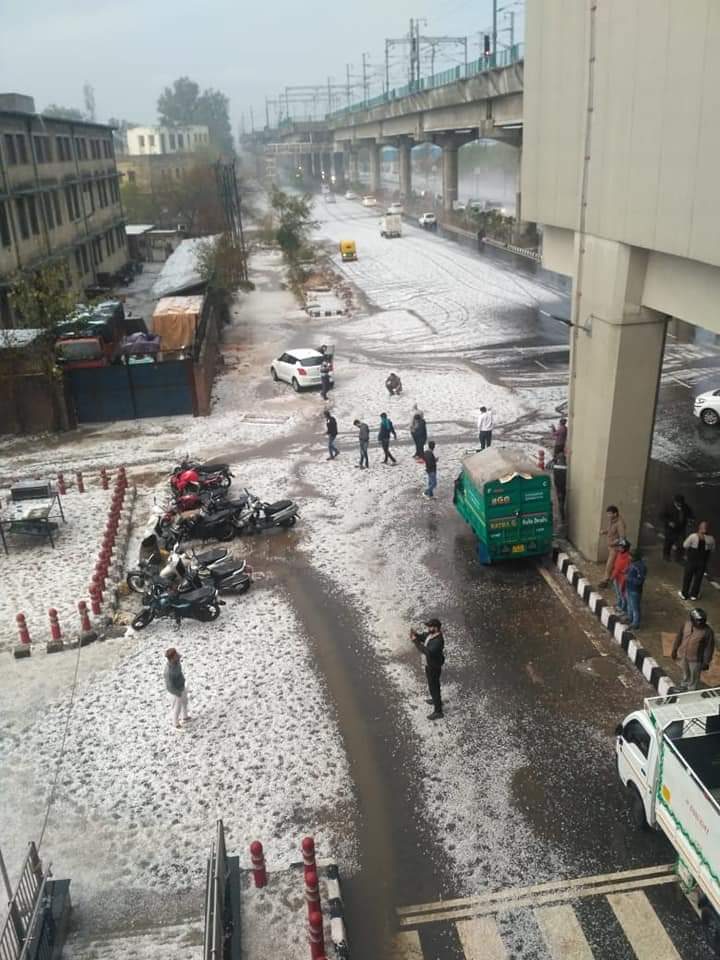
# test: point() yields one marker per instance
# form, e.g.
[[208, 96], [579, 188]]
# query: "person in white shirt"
[[485, 427]]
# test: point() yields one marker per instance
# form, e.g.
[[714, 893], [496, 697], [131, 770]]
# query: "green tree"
[[213, 109], [140, 207], [177, 105], [194, 201], [184, 104], [42, 298], [64, 113], [222, 266], [294, 215]]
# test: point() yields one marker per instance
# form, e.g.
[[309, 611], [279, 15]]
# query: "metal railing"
[[504, 58], [217, 935], [22, 907]]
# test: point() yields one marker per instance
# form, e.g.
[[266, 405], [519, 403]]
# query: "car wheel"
[[295, 385], [637, 808], [710, 417], [273, 374]]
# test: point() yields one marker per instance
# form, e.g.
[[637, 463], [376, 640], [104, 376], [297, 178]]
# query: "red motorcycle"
[[190, 481]]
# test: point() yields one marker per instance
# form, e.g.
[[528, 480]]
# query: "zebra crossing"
[[555, 921]]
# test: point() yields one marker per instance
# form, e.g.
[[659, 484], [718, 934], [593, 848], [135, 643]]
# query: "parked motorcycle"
[[159, 601], [149, 568], [258, 515], [208, 500], [200, 525], [191, 481], [184, 570], [204, 468]]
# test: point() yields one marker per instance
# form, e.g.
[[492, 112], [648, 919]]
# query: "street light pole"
[[494, 32]]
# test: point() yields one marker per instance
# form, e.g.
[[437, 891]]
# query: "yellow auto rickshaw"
[[347, 250]]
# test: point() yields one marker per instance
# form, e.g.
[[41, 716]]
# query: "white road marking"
[[407, 946], [540, 364], [642, 927], [564, 600], [480, 939], [682, 383], [557, 889], [562, 933]]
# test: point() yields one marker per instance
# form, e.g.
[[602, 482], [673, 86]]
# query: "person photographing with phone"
[[432, 646]]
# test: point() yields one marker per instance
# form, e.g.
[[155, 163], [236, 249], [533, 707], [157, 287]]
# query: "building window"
[[78, 262], [34, 222], [10, 151], [97, 251], [141, 141], [85, 261], [114, 192], [181, 141], [56, 207], [47, 204], [22, 217], [131, 176], [151, 140], [89, 202], [21, 147], [120, 235], [72, 201], [102, 193], [163, 143], [177, 173], [172, 141], [5, 235]]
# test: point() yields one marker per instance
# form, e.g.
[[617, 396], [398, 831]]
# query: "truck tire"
[[636, 808], [711, 928]]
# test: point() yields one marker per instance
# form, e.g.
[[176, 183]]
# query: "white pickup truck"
[[668, 760], [391, 225]]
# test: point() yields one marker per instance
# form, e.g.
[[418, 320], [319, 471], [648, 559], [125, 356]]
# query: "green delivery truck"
[[508, 503]]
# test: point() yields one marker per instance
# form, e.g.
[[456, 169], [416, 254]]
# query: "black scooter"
[[160, 601], [258, 515]]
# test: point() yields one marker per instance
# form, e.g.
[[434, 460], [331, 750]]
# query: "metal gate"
[[132, 391]]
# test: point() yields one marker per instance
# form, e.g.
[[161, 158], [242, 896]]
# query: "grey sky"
[[129, 51]]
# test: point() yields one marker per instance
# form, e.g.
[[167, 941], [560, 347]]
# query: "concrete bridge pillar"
[[375, 179], [449, 175], [338, 169], [405, 167], [306, 162], [615, 361], [351, 164]]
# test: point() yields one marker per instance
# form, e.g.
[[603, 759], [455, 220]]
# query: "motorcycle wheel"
[[209, 612], [146, 616], [225, 482], [288, 522], [136, 581], [225, 532], [239, 590]]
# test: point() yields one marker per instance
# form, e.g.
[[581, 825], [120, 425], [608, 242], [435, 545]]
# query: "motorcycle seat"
[[201, 595], [210, 556], [277, 506]]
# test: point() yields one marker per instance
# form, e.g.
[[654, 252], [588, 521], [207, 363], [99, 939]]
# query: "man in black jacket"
[[432, 646], [331, 428], [675, 518]]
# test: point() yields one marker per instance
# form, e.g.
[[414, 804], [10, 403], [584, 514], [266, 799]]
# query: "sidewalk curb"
[[619, 633]]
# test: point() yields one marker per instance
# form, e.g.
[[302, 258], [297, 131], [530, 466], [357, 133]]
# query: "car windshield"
[[310, 361]]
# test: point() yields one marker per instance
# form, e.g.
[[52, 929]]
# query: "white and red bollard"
[[61, 484], [541, 459], [55, 631], [85, 624], [308, 855], [80, 482], [23, 631], [104, 479], [312, 893], [258, 864], [316, 936], [95, 601]]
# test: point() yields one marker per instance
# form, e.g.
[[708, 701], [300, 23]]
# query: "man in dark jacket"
[[386, 431], [675, 518], [430, 469], [698, 547], [331, 429], [432, 646], [175, 685], [558, 465], [364, 438], [418, 431], [694, 646], [324, 377]]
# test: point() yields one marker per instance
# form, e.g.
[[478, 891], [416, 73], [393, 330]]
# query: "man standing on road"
[[698, 547], [331, 429], [694, 646], [634, 583], [364, 438], [432, 646], [620, 568], [558, 465], [418, 431], [386, 431], [430, 469], [614, 531], [485, 427], [175, 684], [675, 518], [393, 385], [560, 437], [324, 377]]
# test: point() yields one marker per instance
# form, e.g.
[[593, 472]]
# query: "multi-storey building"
[[59, 197], [142, 141]]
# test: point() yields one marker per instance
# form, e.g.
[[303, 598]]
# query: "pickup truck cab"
[[668, 762]]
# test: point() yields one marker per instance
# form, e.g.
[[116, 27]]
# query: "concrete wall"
[[156, 140], [655, 130]]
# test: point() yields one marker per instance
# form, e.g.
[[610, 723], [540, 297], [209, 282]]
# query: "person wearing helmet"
[[619, 571], [694, 647]]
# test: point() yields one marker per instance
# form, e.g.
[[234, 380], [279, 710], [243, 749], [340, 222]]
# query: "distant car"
[[428, 220], [707, 407], [395, 208], [369, 202], [330, 198], [313, 310], [349, 195], [300, 367]]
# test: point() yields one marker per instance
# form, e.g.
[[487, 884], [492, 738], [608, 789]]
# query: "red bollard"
[[79, 481], [95, 584], [104, 478], [99, 576], [61, 484], [22, 628], [55, 631], [315, 936], [95, 602], [308, 854], [541, 459], [85, 624], [312, 892], [258, 864]]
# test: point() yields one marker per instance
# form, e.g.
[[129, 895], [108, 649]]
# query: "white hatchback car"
[[427, 220], [395, 208], [349, 195], [707, 407], [300, 367], [369, 202]]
